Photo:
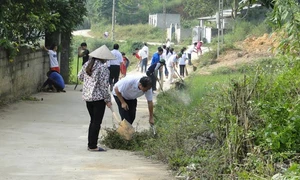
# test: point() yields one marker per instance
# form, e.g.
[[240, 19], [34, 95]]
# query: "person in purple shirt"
[[54, 80]]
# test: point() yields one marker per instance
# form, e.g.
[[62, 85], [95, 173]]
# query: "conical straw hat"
[[102, 53]]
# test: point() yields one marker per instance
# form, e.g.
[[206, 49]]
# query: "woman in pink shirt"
[[199, 44]]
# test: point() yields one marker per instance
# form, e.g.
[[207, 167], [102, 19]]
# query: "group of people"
[[165, 61], [54, 81], [101, 73]]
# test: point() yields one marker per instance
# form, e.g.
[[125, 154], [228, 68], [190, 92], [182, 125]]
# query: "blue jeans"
[[144, 64]]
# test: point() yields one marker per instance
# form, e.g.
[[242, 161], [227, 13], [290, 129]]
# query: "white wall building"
[[163, 20]]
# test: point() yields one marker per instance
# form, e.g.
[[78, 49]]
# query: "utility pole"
[[113, 21], [220, 23], [164, 13]]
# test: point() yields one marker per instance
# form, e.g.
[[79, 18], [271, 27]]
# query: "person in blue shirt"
[[155, 59], [54, 80], [156, 56]]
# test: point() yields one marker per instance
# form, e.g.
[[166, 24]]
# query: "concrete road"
[[47, 140]]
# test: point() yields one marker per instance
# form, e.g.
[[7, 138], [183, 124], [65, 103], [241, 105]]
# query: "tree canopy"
[[137, 11], [27, 21]]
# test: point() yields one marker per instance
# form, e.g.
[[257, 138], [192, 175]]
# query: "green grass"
[[137, 32], [73, 76]]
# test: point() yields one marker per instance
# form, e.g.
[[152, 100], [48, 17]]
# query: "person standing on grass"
[[54, 65], [144, 54], [127, 90], [95, 76], [83, 52], [114, 66]]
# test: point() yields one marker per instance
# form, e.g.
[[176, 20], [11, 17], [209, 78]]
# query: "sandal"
[[96, 149]]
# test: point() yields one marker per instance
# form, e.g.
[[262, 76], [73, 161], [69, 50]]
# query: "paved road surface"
[[47, 140]]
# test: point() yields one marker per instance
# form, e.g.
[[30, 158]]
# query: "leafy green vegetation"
[[238, 123]]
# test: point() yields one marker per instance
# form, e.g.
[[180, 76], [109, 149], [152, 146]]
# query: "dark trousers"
[[144, 65], [130, 114], [114, 74], [51, 83], [166, 72], [96, 110], [153, 78], [181, 70], [189, 59]]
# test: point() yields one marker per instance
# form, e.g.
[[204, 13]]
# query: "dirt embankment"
[[249, 50]]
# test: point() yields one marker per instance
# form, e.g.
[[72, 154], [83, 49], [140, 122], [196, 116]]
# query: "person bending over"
[[127, 90]]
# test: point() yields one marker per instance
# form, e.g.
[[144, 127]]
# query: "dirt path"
[[47, 139]]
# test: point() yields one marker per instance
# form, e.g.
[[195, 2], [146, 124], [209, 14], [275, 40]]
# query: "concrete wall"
[[175, 31], [163, 20], [23, 75]]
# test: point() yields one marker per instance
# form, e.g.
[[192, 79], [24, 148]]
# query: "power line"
[[131, 7], [121, 12]]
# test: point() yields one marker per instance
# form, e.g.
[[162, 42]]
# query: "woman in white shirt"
[[182, 62]]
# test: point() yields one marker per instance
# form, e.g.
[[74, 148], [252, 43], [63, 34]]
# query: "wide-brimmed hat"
[[102, 53]]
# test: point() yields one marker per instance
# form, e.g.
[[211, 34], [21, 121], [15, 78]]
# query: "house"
[[163, 20], [171, 23], [206, 33]]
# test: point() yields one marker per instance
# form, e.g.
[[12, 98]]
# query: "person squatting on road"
[[95, 76], [152, 72], [54, 65], [127, 90], [54, 80], [115, 66]]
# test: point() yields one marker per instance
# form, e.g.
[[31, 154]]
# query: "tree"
[[26, 22], [99, 10], [285, 19], [70, 14]]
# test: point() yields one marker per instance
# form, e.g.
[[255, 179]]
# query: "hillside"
[[247, 51]]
